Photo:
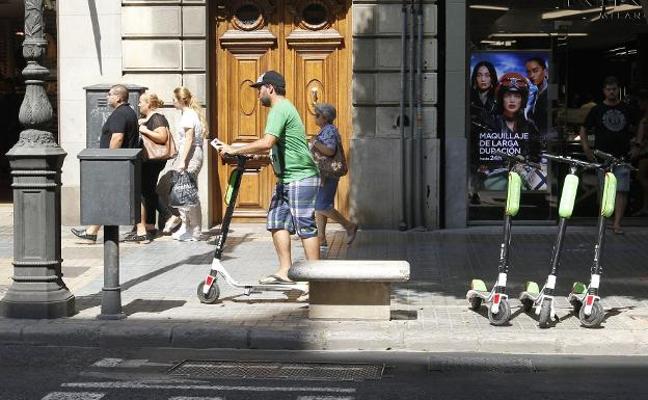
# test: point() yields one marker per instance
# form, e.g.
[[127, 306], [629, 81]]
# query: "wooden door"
[[308, 42]]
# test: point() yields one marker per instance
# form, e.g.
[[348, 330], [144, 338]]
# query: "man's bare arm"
[[116, 140]]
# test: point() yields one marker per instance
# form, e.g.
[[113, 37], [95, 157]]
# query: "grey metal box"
[[110, 186], [98, 110]]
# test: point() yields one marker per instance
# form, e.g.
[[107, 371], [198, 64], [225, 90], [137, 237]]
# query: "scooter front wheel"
[[503, 315], [212, 295], [545, 314], [595, 318]]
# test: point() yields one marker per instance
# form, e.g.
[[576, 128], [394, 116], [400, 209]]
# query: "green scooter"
[[584, 298], [499, 310], [543, 300]]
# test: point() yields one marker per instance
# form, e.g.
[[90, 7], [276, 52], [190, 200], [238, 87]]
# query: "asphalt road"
[[82, 373]]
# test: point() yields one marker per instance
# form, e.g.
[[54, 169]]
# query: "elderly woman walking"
[[326, 143]]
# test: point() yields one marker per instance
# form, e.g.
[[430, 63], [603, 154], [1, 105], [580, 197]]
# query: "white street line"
[[140, 385], [74, 396], [324, 398], [108, 362], [195, 398]]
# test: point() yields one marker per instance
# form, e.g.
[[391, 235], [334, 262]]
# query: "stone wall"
[[375, 145]]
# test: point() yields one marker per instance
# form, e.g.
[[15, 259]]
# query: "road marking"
[[108, 363], [140, 385], [324, 398], [195, 398], [74, 396]]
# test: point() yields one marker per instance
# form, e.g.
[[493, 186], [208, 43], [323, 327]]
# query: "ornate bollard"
[[38, 290]]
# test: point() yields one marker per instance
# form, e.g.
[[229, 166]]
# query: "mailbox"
[[110, 186], [98, 110]]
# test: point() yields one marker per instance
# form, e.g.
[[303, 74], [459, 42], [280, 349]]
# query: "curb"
[[368, 336]]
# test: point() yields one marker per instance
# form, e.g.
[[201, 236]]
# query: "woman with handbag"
[[191, 129], [158, 147], [328, 153]]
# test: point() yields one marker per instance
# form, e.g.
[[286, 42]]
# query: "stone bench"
[[350, 289]]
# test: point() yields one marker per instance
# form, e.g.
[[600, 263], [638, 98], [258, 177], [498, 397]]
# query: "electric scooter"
[[208, 291], [584, 298], [499, 310], [543, 300]]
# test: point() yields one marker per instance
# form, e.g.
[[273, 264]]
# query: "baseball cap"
[[273, 78]]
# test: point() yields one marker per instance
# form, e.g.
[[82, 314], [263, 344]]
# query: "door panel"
[[254, 36]]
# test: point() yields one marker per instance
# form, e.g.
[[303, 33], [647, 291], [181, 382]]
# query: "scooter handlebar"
[[613, 161], [571, 161], [518, 159]]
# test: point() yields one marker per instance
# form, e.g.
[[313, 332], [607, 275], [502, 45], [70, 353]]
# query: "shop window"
[[552, 59]]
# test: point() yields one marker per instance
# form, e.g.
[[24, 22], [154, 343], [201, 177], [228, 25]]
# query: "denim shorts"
[[622, 175], [292, 207], [326, 194]]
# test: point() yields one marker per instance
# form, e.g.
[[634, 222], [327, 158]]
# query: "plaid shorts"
[[292, 207]]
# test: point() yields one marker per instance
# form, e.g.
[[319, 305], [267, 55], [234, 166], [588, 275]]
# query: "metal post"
[[38, 290], [111, 307]]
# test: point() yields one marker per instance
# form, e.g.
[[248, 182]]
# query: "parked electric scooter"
[[208, 291], [499, 310], [584, 298], [543, 300]]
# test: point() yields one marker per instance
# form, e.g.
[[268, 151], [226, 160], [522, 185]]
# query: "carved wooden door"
[[305, 40]]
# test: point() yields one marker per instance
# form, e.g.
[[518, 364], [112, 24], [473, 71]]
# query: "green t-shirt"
[[290, 156]]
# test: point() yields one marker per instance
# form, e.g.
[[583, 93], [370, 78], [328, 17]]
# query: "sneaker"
[[181, 231], [82, 234], [172, 223], [185, 237]]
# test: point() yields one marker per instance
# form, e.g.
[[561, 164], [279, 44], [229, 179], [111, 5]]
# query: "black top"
[[611, 127], [122, 120]]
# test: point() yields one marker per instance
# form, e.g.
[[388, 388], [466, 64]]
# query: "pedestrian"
[[155, 127], [326, 143], [639, 154], [292, 207], [120, 131], [191, 130], [611, 124]]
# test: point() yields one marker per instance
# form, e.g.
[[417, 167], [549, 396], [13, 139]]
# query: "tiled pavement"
[[428, 313]]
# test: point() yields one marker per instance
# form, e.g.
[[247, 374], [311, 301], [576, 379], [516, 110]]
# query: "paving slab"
[[429, 313]]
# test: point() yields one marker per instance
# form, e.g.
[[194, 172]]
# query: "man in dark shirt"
[[611, 123], [120, 131]]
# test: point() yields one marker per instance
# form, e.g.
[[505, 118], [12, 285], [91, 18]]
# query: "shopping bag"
[[184, 191]]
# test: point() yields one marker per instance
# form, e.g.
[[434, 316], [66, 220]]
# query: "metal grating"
[[278, 370]]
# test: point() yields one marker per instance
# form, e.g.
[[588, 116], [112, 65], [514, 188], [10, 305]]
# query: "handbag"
[[334, 166], [157, 151]]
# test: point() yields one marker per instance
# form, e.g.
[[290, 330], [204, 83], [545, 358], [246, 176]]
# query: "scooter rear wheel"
[[595, 318], [545, 314], [475, 302], [503, 315], [212, 295]]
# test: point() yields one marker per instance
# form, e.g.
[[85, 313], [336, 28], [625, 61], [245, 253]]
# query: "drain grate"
[[278, 370]]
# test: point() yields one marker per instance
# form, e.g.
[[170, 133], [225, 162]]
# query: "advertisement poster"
[[509, 112]]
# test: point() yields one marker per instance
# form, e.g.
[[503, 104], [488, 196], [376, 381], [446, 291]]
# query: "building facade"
[[336, 51]]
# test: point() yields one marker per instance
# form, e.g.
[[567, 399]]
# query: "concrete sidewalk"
[[430, 312]]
